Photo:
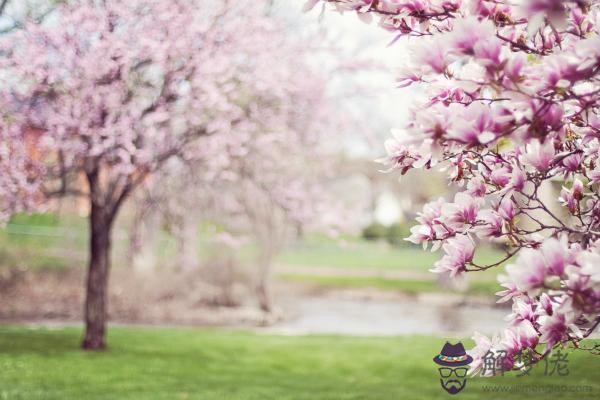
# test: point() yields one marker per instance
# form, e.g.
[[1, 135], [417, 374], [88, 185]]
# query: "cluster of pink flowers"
[[555, 291], [513, 108], [122, 86]]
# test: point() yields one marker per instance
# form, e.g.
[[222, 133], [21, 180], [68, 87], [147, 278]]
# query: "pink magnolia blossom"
[[529, 271], [500, 176], [506, 209], [476, 187], [517, 179], [572, 163], [483, 345], [555, 328], [533, 266], [459, 251], [510, 289], [522, 311], [539, 155], [462, 211], [512, 110], [567, 199], [491, 223]]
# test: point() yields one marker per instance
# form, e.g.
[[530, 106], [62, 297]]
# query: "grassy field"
[[356, 253], [38, 363], [46, 241], [410, 286], [378, 258]]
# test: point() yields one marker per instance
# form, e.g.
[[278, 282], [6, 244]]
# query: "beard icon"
[[454, 365], [453, 386]]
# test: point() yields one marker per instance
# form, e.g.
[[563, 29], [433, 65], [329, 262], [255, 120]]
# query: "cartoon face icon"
[[454, 365]]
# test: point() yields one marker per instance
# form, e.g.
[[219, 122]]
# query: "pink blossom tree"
[[109, 92], [273, 174], [512, 108]]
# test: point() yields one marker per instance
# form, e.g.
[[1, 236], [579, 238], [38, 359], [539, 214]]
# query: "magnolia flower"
[[594, 176], [572, 163], [422, 234], [529, 272], [577, 190], [488, 51], [545, 305], [469, 32], [554, 328], [590, 262], [491, 224], [556, 255], [506, 209], [528, 336], [476, 187], [479, 124], [510, 289], [538, 155], [500, 176], [517, 179], [429, 228], [514, 66], [483, 345], [534, 266], [401, 154], [577, 283], [511, 108], [522, 310], [462, 211], [431, 53], [431, 212], [567, 199], [459, 251]]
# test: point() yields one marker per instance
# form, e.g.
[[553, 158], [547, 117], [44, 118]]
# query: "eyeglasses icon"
[[447, 372]]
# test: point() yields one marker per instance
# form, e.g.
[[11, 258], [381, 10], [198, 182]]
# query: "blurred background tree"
[[103, 95]]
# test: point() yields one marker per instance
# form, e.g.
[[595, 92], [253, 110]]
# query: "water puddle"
[[317, 315]]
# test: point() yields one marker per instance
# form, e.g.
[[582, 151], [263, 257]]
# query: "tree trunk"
[[97, 278], [103, 208], [264, 295], [187, 237], [145, 259], [263, 287]]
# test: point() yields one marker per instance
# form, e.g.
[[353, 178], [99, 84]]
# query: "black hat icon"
[[453, 355]]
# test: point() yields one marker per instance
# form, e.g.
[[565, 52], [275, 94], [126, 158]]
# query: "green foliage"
[[396, 233], [161, 364], [374, 231]]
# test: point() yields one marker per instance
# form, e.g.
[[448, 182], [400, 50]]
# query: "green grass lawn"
[[410, 286], [49, 241], [216, 364], [316, 252], [357, 253]]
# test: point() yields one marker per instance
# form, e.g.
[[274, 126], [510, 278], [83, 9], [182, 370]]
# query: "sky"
[[387, 106]]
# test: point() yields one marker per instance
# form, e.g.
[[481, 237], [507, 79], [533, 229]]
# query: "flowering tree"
[[512, 109], [273, 173], [109, 93]]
